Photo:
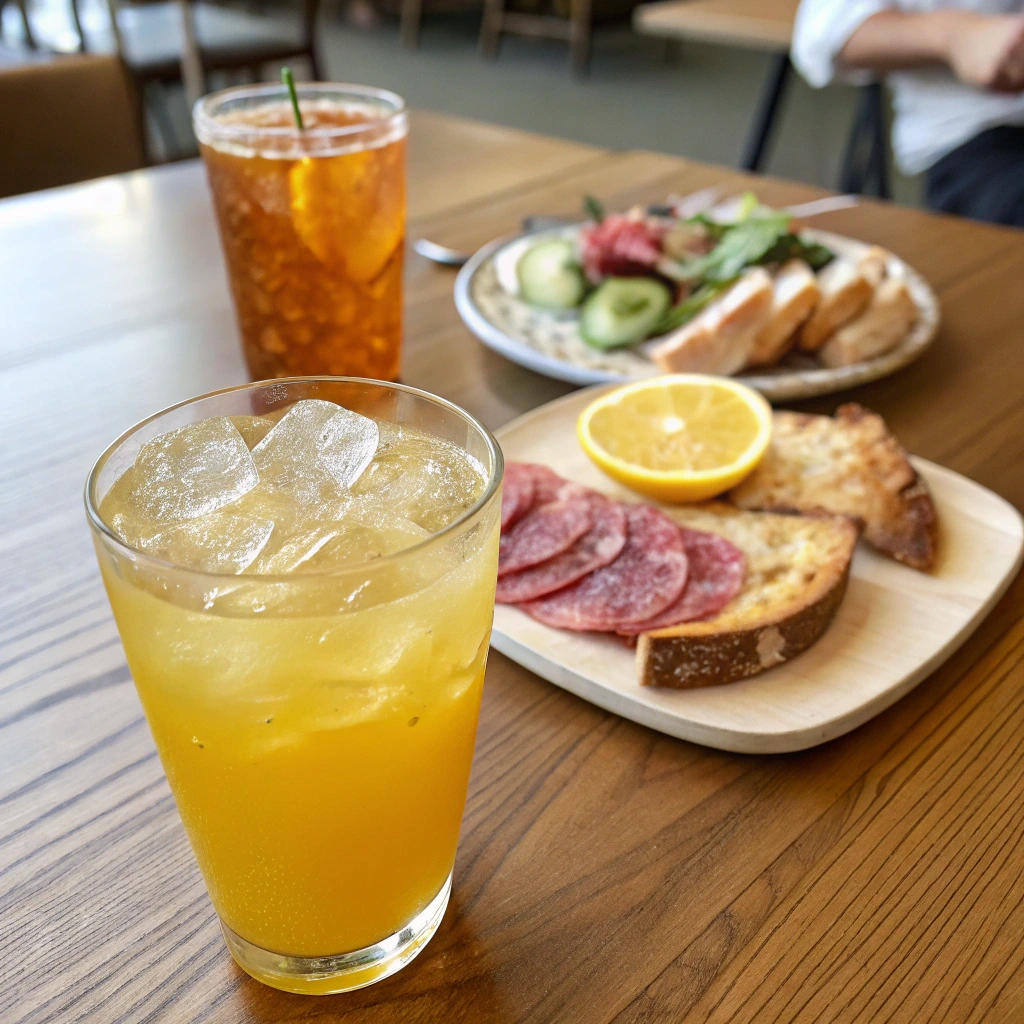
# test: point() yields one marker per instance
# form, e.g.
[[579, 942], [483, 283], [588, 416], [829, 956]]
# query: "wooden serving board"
[[894, 628]]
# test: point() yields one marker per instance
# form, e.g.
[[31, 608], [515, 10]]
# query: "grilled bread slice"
[[845, 291], [795, 293], [880, 328], [719, 339], [797, 570], [850, 465], [874, 265]]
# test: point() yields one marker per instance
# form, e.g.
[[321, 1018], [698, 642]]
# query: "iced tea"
[[312, 224]]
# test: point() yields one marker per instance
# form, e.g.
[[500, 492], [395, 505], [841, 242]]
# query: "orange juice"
[[315, 711]]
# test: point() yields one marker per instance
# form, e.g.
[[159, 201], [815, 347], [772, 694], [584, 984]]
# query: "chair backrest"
[[66, 119]]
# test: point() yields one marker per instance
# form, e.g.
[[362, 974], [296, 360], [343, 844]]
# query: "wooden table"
[[606, 872], [767, 27]]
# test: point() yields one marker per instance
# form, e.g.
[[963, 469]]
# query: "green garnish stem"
[[288, 81]]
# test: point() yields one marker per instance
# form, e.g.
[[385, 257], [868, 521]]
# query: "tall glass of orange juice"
[[302, 573], [312, 223]]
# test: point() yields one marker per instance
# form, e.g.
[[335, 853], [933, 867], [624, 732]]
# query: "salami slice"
[[647, 577], [517, 494], [546, 482], [595, 549], [546, 530], [716, 576]]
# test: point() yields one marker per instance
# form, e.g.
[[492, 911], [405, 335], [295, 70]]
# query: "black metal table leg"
[[879, 159], [767, 109], [866, 156]]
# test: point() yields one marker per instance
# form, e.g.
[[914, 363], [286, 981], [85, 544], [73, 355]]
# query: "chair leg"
[[410, 19], [490, 27], [764, 117], [77, 18], [26, 25], [316, 69], [163, 121], [580, 37]]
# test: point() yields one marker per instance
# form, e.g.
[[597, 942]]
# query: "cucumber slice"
[[549, 275], [623, 311]]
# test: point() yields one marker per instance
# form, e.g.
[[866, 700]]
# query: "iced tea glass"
[[312, 224], [316, 726]]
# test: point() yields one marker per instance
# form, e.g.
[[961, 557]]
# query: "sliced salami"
[[716, 576], [594, 550], [647, 577], [517, 494], [546, 482], [546, 530]]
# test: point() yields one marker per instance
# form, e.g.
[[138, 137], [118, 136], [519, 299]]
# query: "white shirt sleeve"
[[821, 31]]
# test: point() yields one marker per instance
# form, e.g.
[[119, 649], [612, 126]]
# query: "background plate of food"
[[739, 290]]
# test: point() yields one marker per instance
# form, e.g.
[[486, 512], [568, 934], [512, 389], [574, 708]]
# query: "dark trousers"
[[983, 179]]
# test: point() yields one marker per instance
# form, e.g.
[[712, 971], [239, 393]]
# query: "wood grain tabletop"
[[750, 24], [606, 873]]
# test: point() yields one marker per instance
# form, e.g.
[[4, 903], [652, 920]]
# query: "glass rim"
[[100, 526], [203, 118]]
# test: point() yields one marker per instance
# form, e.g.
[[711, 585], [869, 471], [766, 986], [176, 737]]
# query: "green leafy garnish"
[[288, 81], [748, 204], [593, 208], [742, 245], [683, 312]]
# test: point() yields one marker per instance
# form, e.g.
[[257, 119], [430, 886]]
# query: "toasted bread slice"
[[719, 339], [795, 293], [874, 265], [880, 328], [851, 465], [845, 291], [797, 570]]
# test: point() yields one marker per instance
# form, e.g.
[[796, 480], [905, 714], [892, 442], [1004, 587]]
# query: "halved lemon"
[[684, 437]]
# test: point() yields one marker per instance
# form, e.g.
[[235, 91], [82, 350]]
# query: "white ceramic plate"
[[894, 628], [487, 300]]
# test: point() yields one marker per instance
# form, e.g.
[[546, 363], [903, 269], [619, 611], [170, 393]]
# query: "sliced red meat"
[[621, 245], [716, 576], [546, 530], [546, 482], [517, 494], [647, 577], [595, 549]]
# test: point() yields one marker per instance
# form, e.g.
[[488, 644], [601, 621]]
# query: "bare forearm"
[[893, 40], [985, 51]]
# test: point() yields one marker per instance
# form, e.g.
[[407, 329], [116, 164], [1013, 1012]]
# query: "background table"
[[767, 26], [606, 872]]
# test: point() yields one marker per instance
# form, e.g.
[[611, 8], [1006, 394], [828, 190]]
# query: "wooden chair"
[[170, 41], [65, 119], [572, 21]]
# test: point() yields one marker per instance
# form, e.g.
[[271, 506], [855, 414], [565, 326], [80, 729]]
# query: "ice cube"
[[179, 476], [424, 479], [220, 542], [295, 552], [316, 450], [324, 547], [252, 428]]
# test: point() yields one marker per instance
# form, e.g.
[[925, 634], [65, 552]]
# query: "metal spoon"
[[449, 257], [442, 254]]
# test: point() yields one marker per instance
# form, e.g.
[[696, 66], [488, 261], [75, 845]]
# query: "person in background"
[[956, 72]]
